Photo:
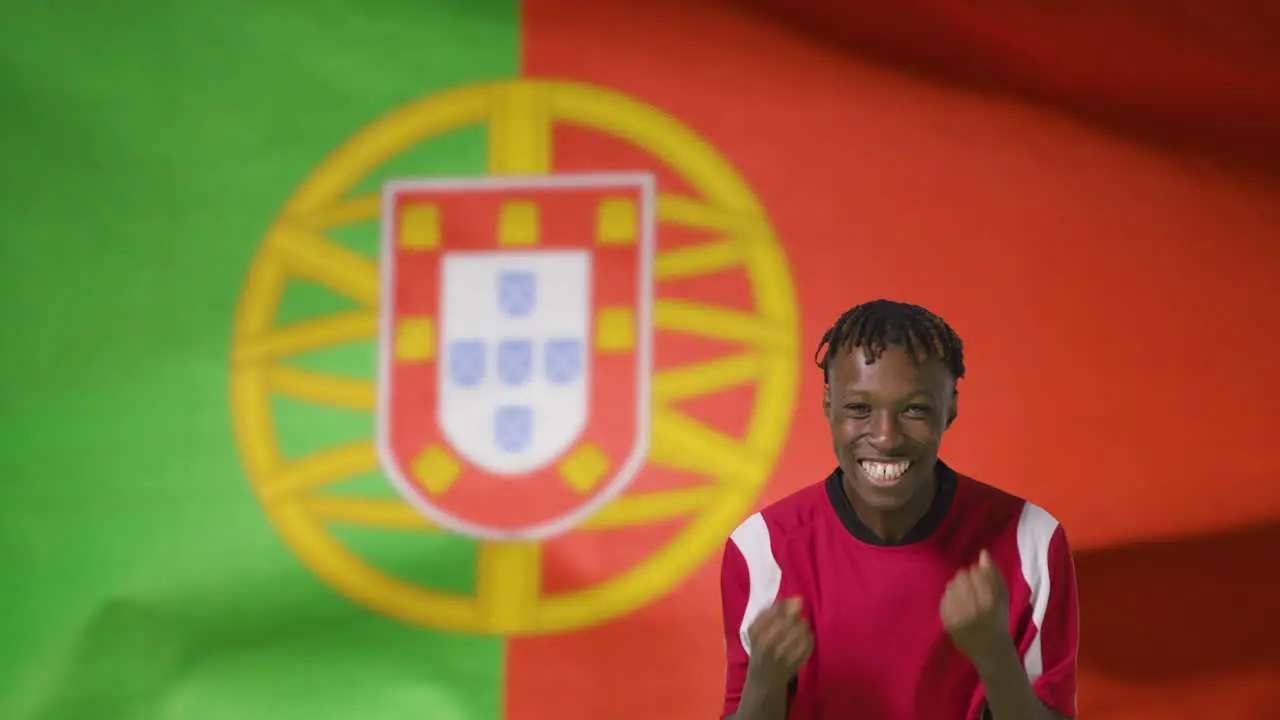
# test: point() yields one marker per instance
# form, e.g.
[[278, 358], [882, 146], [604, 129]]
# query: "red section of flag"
[[1075, 265], [1193, 74]]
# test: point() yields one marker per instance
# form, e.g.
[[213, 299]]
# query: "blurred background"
[[194, 523]]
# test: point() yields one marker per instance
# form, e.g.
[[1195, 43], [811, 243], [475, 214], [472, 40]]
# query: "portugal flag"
[[414, 359]]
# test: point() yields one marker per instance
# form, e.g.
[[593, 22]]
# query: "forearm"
[[762, 701], [1009, 692]]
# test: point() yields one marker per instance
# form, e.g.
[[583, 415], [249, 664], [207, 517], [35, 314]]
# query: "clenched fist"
[[780, 643], [975, 611]]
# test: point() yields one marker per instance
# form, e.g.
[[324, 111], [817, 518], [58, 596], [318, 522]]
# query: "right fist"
[[780, 643]]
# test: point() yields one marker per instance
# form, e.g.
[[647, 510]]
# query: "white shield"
[[515, 355]]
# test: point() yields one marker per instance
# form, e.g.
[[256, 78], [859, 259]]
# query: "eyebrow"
[[849, 395]]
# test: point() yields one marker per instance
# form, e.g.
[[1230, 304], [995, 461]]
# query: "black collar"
[[928, 524]]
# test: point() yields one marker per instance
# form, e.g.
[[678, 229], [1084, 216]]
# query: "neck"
[[893, 525]]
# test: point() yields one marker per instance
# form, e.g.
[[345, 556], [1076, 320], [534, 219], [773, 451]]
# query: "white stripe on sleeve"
[[1035, 532], [752, 540]]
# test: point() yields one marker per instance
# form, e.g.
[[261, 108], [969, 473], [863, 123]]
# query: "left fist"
[[975, 611]]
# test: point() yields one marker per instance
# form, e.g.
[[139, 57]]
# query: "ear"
[[955, 408], [826, 400]]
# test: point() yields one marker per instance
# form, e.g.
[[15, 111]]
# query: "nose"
[[884, 433]]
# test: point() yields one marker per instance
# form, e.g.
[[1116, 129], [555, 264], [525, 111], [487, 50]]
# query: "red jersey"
[[880, 651]]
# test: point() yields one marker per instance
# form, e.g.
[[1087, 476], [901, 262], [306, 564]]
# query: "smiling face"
[[887, 418]]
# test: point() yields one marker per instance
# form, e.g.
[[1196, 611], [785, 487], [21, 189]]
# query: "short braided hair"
[[880, 324]]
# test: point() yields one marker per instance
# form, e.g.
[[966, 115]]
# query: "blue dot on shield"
[[513, 428], [517, 290]]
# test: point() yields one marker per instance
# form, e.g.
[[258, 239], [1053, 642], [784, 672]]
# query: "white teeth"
[[885, 471]]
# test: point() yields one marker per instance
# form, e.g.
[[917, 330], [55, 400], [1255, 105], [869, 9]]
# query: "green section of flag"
[[147, 145]]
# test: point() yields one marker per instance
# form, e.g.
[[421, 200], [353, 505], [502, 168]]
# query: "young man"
[[897, 589]]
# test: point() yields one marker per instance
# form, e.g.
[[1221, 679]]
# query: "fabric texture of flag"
[[217, 503]]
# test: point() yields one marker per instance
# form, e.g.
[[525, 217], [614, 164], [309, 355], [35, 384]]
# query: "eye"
[[858, 409], [918, 410]]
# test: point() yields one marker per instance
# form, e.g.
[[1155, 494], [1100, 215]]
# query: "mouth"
[[884, 473]]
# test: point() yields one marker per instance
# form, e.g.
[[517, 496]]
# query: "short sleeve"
[[735, 589], [1051, 658]]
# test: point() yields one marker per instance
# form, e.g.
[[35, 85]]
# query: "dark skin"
[[892, 410]]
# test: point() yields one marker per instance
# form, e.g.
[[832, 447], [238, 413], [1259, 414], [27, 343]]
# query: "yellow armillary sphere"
[[508, 598]]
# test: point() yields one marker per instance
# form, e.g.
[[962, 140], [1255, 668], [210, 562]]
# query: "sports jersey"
[[880, 651]]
